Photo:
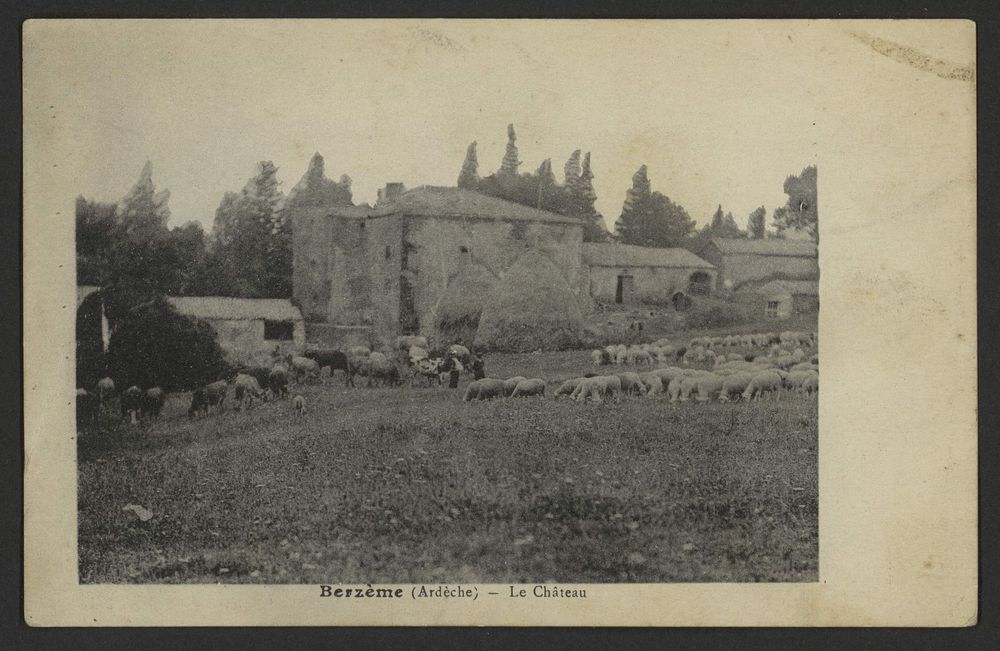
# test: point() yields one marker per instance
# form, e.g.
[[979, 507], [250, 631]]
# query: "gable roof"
[[354, 212], [626, 255], [773, 247], [225, 308], [791, 287], [437, 201]]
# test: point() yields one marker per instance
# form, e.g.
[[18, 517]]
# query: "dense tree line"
[[648, 217], [574, 197]]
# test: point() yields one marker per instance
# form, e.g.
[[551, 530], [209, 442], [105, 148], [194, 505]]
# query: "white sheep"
[[510, 384], [484, 389], [810, 386], [653, 382], [598, 388], [765, 382], [674, 388], [639, 356], [708, 387], [299, 405], [529, 387], [632, 384], [568, 387], [735, 385]]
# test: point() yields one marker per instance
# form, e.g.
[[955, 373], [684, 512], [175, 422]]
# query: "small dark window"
[[388, 251], [772, 308], [279, 330], [463, 249]]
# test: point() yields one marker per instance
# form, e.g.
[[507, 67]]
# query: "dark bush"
[[153, 345]]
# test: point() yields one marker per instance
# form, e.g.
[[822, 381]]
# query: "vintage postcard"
[[468, 322]]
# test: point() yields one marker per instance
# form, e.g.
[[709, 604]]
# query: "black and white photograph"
[[442, 305]]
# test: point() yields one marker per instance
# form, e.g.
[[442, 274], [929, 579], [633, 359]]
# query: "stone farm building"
[[620, 273], [248, 329], [786, 297], [409, 263], [741, 261], [418, 257], [389, 267]]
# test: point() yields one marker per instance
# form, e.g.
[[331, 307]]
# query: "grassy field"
[[413, 485]]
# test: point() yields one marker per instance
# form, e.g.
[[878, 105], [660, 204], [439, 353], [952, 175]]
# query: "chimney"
[[389, 193]]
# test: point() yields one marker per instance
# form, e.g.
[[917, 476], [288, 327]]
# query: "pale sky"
[[720, 114]]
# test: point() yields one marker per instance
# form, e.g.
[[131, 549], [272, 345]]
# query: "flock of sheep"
[[266, 383], [734, 367], [727, 369]]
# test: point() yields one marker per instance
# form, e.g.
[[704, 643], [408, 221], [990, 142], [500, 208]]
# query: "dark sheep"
[[277, 381], [259, 373], [335, 359], [152, 402], [210, 395], [131, 403]]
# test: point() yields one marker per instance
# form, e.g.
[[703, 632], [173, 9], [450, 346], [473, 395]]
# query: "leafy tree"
[[649, 218], [96, 230], [756, 224], [143, 212], [800, 212], [468, 178], [251, 239]]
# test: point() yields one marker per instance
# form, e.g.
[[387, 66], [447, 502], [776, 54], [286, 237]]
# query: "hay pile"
[[532, 308], [456, 315]]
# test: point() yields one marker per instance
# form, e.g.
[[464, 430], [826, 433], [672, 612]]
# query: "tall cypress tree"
[[510, 163], [546, 183], [571, 171], [468, 178], [583, 199]]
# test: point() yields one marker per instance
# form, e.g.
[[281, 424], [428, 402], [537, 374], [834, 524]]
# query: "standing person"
[[478, 366], [454, 370]]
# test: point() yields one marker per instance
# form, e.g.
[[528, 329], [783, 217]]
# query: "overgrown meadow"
[[413, 485]]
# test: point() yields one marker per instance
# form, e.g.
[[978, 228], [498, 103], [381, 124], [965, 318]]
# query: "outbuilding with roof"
[[740, 261], [249, 330], [626, 274]]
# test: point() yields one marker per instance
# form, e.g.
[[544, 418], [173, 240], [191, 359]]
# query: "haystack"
[[532, 308], [457, 313]]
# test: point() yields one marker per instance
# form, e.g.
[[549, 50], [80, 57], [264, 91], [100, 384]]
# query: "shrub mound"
[[531, 308], [457, 313], [154, 345]]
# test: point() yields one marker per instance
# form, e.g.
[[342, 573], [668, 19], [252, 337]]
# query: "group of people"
[[452, 365]]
